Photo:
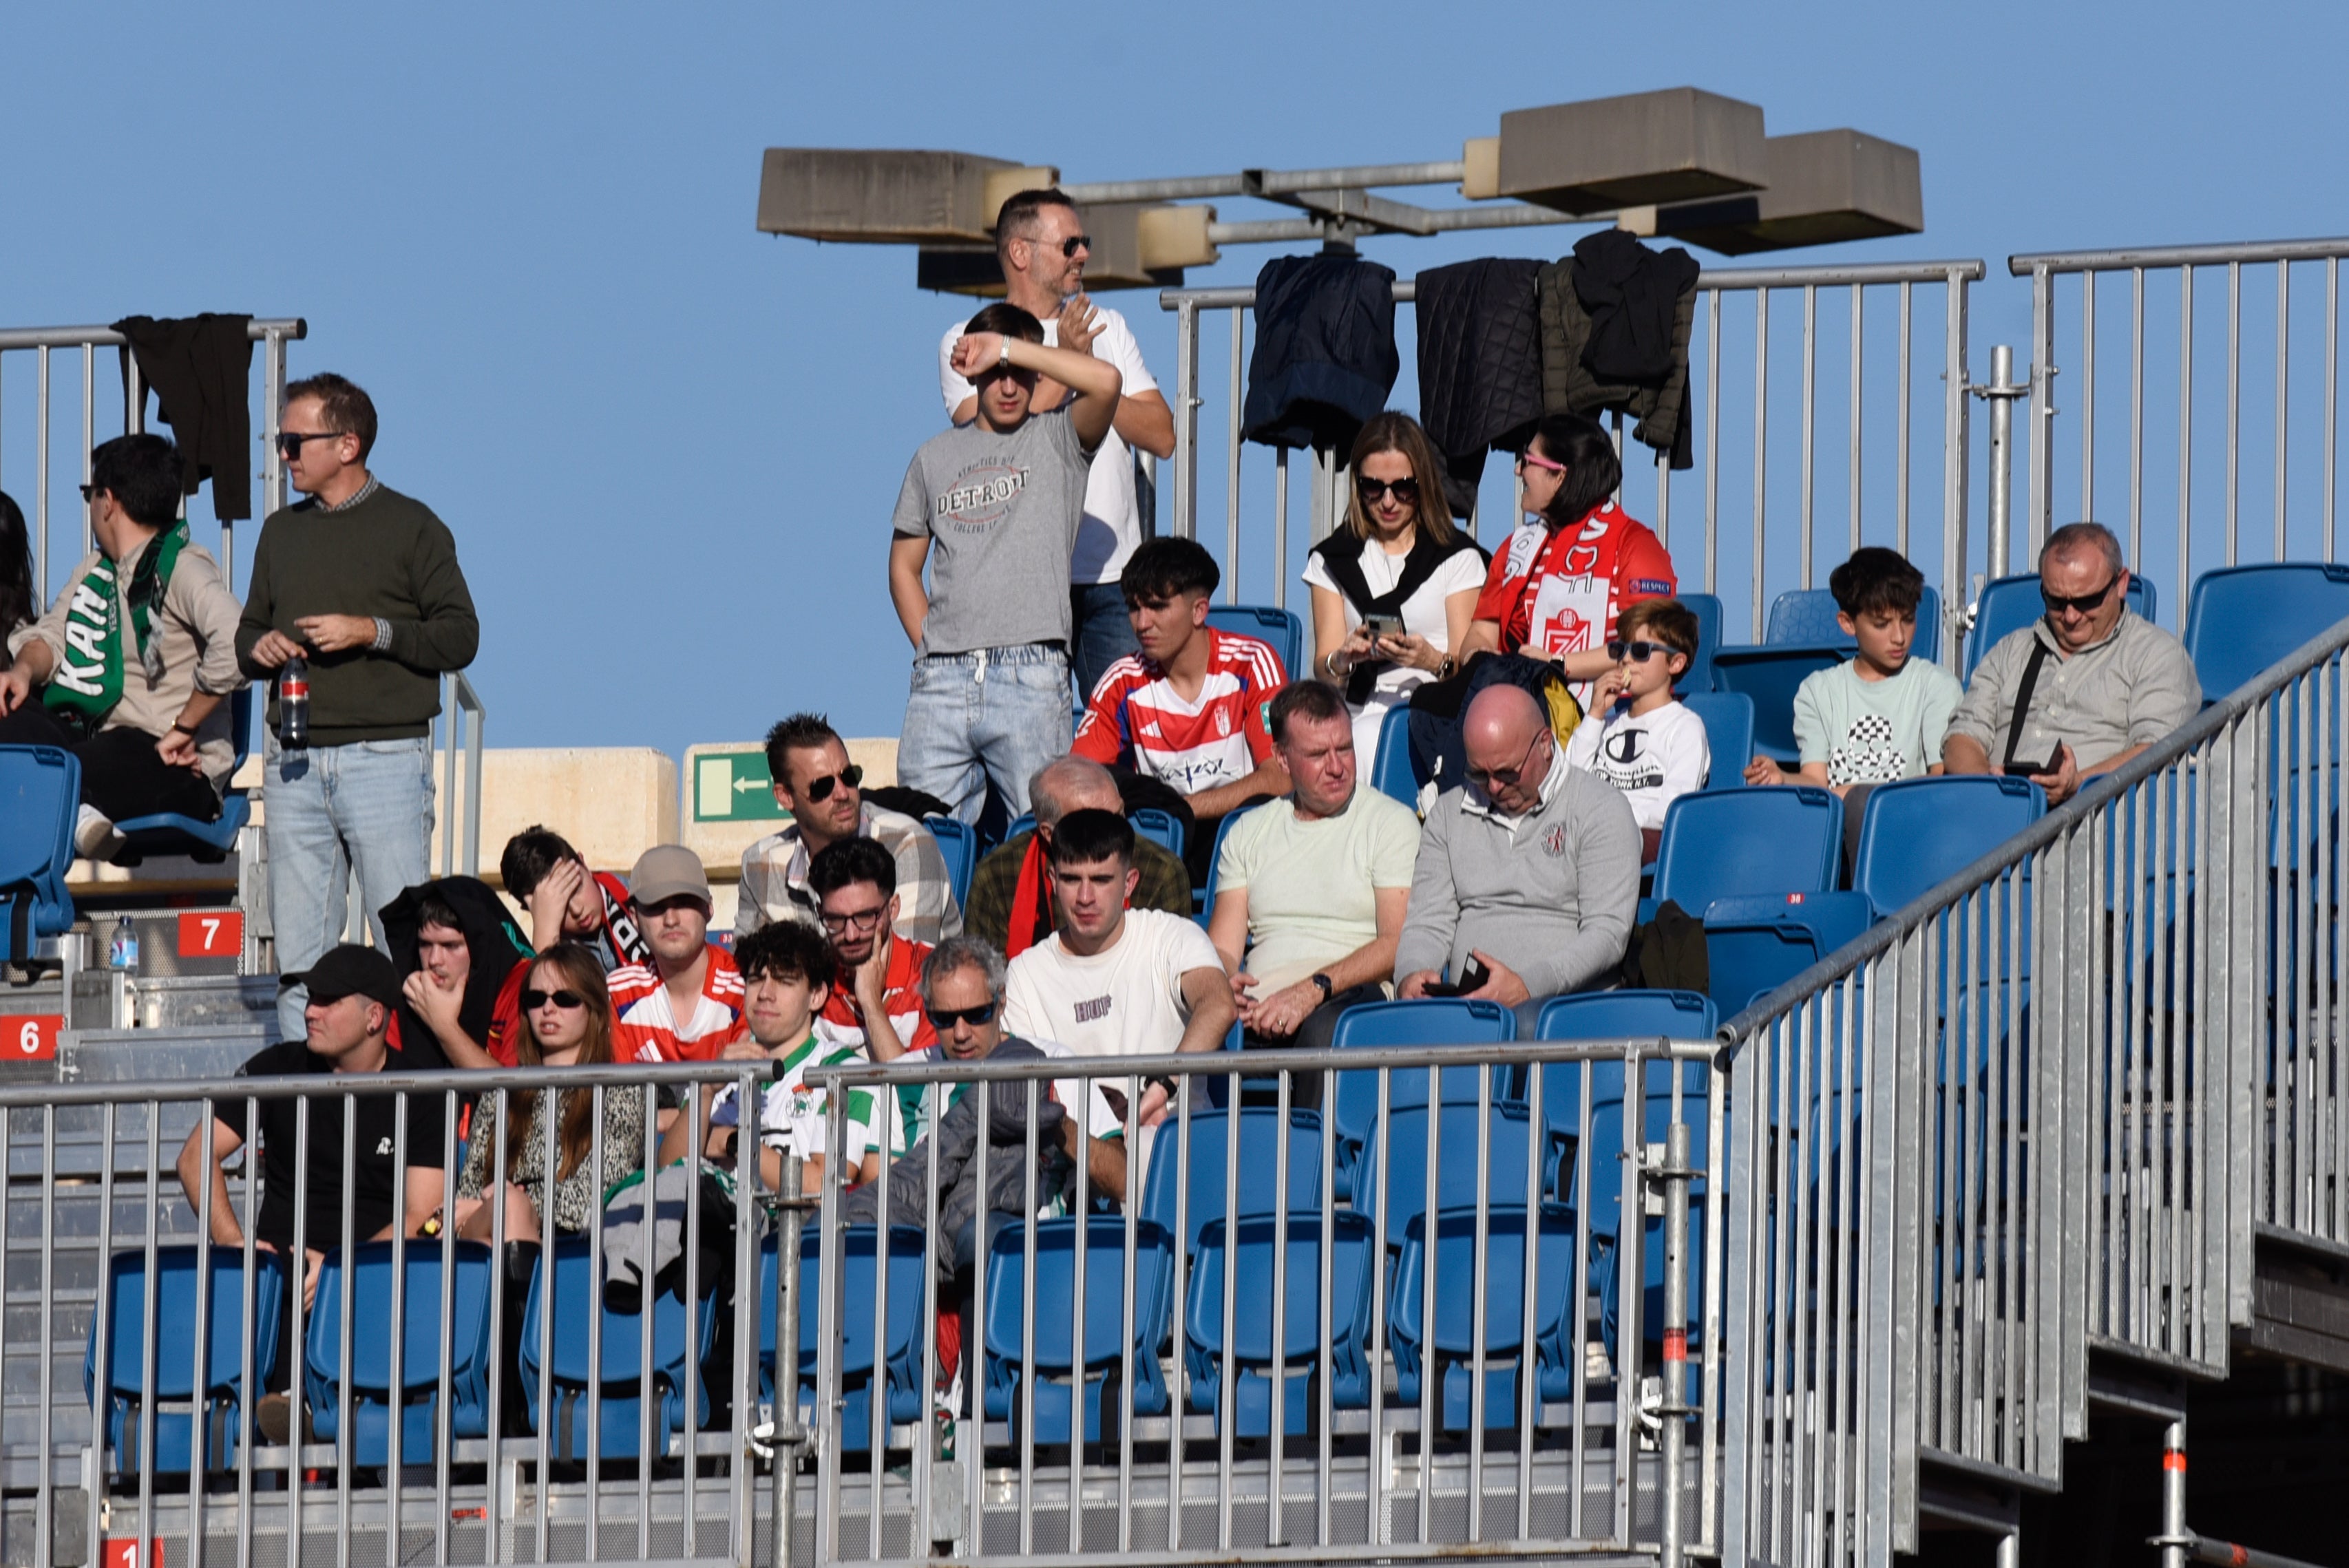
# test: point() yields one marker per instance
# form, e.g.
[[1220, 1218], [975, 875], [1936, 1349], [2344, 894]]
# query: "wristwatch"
[[1323, 983]]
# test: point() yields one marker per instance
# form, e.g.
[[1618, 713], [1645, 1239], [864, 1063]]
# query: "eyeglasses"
[[289, 442], [821, 789], [1405, 491], [533, 999], [854, 919], [944, 1019], [1075, 243], [1640, 652], [2087, 603], [1508, 777], [1526, 460]]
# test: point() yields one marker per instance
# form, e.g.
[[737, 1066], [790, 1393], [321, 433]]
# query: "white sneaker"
[[94, 835]]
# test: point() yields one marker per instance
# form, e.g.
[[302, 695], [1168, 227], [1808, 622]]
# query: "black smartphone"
[[1473, 977]]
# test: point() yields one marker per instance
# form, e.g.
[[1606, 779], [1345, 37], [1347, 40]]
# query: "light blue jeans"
[[996, 715], [329, 811]]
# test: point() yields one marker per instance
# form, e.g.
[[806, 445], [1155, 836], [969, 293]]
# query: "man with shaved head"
[[1530, 870], [1011, 902]]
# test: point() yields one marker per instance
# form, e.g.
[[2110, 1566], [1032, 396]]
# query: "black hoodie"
[[496, 942]]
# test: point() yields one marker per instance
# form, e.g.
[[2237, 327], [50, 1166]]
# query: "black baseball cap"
[[349, 969]]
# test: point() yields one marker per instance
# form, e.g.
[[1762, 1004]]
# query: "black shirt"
[[374, 1201]]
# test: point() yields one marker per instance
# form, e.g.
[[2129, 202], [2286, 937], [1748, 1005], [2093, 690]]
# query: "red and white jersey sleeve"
[[1559, 591], [1136, 718], [649, 1028]]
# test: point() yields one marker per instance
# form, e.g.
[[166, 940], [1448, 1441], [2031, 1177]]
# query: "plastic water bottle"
[[122, 952], [294, 704]]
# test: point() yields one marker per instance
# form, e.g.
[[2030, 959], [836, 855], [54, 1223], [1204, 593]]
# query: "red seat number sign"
[[219, 935], [29, 1037]]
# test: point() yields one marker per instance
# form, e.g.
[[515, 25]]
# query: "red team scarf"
[[1031, 902], [620, 928]]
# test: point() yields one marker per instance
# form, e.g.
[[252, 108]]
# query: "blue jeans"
[[1103, 633], [330, 810], [994, 716]]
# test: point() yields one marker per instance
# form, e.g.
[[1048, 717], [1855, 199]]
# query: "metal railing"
[[461, 718], [2168, 352], [271, 334], [2046, 1108], [1874, 401]]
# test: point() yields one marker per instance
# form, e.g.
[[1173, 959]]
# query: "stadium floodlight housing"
[[1680, 163]]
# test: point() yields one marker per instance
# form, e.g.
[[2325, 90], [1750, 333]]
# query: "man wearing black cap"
[[352, 993]]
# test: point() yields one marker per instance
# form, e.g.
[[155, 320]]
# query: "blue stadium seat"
[[2242, 619], [577, 1296], [1921, 831], [1771, 676], [170, 833], [1718, 843], [902, 1352], [1431, 1021], [1550, 1346], [1728, 719], [1706, 608], [1604, 1015], [1391, 772], [1756, 943], [2010, 603], [1205, 898], [1282, 628], [373, 1287], [117, 1398], [1244, 1252], [1206, 1155], [958, 842], [1391, 1184], [40, 794], [1161, 827], [1806, 617], [1059, 1361]]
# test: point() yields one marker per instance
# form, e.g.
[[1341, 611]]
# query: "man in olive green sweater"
[[363, 582]]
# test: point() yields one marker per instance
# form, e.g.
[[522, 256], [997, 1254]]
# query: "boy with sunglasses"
[[1638, 737]]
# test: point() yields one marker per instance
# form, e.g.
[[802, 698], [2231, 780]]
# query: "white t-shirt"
[[1654, 759], [1125, 1002], [1112, 523], [1423, 616]]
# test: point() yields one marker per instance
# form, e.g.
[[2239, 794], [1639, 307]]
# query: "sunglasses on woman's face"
[[1404, 490], [821, 789], [533, 1000], [1527, 461]]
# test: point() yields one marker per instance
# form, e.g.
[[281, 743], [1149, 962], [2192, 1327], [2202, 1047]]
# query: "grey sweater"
[[1552, 896]]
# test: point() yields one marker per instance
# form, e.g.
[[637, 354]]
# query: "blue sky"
[[668, 445]]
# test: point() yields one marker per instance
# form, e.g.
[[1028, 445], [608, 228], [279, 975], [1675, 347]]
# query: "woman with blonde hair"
[[566, 1016], [1395, 587]]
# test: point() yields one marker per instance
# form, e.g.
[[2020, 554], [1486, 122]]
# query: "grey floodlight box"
[[876, 197], [1678, 145], [1826, 186]]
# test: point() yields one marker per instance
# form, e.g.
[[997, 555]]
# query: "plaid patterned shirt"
[[774, 879]]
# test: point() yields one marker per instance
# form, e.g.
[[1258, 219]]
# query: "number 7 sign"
[[29, 1037], [218, 934]]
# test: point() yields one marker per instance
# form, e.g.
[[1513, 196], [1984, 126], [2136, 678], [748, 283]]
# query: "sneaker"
[[274, 1416], [94, 836]]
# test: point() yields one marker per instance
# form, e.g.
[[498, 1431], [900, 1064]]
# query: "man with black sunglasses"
[[1042, 248], [362, 583], [2081, 690], [815, 782]]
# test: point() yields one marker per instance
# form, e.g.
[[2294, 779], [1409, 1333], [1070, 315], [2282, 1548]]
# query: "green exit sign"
[[734, 787]]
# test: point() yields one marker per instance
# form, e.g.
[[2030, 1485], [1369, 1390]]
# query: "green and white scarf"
[[88, 681]]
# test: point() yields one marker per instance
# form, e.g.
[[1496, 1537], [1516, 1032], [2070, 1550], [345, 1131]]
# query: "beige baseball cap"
[[665, 871]]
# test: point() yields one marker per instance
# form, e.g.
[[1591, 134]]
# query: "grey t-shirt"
[[1001, 512]]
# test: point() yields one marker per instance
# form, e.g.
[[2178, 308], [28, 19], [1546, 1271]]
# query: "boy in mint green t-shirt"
[[1879, 717]]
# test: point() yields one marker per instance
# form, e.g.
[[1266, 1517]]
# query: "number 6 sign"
[[29, 1037]]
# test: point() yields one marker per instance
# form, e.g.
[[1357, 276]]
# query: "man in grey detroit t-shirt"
[[993, 508]]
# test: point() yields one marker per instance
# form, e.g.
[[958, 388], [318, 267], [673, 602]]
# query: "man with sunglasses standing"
[[815, 782], [1041, 246], [2080, 691], [363, 582], [1527, 874]]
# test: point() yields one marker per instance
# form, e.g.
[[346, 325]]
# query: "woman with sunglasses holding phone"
[[566, 1021], [1555, 593], [1393, 589]]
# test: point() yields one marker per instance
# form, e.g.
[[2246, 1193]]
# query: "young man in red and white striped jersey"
[[685, 1005], [1188, 710]]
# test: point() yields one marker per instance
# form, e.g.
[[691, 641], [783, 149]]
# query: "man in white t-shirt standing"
[[1112, 981], [1041, 243]]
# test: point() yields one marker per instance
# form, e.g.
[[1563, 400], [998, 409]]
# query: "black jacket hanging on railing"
[[1325, 356], [1480, 363], [1615, 324], [199, 367]]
